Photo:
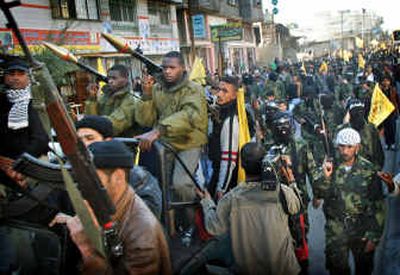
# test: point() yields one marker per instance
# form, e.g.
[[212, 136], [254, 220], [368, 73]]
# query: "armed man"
[[176, 108], [255, 215], [353, 206], [145, 250], [116, 102], [296, 154], [371, 146], [97, 128]]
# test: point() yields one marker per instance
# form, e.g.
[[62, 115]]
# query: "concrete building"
[[239, 54], [78, 24]]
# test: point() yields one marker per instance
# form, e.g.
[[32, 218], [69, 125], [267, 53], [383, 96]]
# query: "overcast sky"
[[304, 12]]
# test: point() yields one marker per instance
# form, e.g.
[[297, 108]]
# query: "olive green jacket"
[[179, 112], [118, 107]]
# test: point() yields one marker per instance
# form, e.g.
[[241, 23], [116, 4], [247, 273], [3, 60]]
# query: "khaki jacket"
[[118, 107], [258, 227], [179, 112]]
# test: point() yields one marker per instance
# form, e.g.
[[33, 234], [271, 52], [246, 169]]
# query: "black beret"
[[231, 80], [111, 154], [17, 64], [99, 123]]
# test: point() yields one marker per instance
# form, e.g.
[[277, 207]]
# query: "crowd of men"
[[308, 129]]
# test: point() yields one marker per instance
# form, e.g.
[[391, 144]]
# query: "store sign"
[[199, 26], [227, 32]]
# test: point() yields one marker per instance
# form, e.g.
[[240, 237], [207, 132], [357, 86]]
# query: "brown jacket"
[[145, 248]]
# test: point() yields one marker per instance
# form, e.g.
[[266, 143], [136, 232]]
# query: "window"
[[233, 2], [159, 14], [75, 9], [123, 10]]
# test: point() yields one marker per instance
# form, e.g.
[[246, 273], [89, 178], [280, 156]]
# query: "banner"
[[381, 107]]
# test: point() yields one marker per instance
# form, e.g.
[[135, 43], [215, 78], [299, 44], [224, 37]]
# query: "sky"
[[305, 12]]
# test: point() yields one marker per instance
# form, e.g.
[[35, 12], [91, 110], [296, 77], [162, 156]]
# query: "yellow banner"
[[381, 107], [361, 61], [244, 133], [198, 73], [323, 67], [359, 43]]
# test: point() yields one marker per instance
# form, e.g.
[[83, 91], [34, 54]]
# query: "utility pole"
[[341, 29], [191, 32], [363, 26]]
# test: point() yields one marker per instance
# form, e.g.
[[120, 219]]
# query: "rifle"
[[66, 55], [88, 181], [123, 47], [324, 131]]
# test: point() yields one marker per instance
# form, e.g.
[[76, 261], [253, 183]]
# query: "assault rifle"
[[87, 179], [123, 47], [66, 55], [325, 133]]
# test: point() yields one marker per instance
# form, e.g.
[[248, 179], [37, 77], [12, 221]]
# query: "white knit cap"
[[348, 136]]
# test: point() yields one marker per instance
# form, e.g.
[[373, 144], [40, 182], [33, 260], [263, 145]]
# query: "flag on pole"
[[361, 62], [303, 68], [381, 107], [198, 73], [323, 67], [100, 69], [359, 43], [244, 133]]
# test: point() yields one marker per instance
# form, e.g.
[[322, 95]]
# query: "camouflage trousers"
[[339, 242]]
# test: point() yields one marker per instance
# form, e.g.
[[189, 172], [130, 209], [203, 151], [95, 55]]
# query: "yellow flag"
[[381, 107], [198, 73], [359, 43], [244, 133], [323, 67], [361, 61], [303, 68], [100, 69]]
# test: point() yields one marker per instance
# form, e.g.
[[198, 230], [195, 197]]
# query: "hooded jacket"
[[179, 112]]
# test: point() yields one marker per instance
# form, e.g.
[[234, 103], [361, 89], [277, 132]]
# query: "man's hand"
[[147, 86], [147, 139], [388, 179], [327, 168], [93, 90], [286, 169], [203, 194], [76, 232]]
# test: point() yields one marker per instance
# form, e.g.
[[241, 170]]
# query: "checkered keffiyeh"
[[18, 115]]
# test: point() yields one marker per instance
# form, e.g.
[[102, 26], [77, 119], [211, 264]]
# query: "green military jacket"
[[354, 198], [119, 107], [179, 112], [277, 88]]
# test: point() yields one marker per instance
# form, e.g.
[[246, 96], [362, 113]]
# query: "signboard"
[[227, 32], [199, 26]]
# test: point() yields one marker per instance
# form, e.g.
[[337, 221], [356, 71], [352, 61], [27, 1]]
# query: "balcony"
[[251, 11], [206, 5]]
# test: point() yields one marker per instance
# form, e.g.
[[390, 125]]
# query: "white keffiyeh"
[[18, 116]]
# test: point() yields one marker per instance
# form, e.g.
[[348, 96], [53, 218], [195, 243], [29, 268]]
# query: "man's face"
[[172, 69], [226, 93], [16, 79], [348, 152], [88, 136], [116, 81], [386, 83]]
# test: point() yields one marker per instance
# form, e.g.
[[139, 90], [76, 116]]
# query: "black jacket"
[[32, 139]]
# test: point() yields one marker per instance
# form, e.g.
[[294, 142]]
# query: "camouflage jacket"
[[354, 198], [118, 107], [277, 88], [179, 112]]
